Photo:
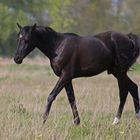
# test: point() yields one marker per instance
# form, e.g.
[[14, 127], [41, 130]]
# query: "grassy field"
[[23, 94]]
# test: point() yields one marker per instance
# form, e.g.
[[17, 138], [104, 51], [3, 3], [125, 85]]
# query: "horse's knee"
[[71, 99], [51, 98]]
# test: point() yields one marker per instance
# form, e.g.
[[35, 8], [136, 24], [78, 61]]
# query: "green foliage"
[[8, 18], [62, 20]]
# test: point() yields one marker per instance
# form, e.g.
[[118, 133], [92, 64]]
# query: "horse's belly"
[[94, 66], [93, 70], [93, 58]]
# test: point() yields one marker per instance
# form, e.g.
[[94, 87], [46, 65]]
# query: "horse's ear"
[[19, 26], [34, 26]]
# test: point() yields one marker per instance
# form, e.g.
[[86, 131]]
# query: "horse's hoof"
[[116, 121], [138, 115], [77, 121], [44, 118], [44, 121]]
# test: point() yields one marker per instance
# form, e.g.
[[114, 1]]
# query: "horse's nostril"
[[16, 58]]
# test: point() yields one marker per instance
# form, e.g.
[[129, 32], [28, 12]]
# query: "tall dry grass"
[[23, 94]]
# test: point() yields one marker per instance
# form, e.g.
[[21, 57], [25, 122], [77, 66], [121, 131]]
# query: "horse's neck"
[[51, 44]]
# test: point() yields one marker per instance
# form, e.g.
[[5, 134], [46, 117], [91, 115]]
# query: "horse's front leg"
[[63, 80], [71, 98]]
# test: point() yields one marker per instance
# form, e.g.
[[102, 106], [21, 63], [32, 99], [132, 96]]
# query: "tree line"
[[85, 17]]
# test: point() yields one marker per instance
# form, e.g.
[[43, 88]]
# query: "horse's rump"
[[126, 52]]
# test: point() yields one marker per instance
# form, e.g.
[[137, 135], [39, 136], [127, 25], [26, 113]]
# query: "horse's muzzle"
[[18, 60]]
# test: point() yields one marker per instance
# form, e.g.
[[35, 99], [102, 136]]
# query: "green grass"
[[136, 67], [23, 94]]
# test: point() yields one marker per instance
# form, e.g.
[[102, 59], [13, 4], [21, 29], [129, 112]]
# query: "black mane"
[[73, 34]]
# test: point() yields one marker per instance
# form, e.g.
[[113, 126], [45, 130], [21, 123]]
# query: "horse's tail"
[[127, 50], [136, 42]]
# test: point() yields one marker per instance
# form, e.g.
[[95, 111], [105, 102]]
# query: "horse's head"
[[26, 42]]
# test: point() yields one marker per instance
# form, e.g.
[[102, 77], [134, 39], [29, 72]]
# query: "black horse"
[[73, 56]]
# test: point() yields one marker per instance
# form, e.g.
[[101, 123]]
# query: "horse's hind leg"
[[71, 98], [125, 85], [123, 92], [133, 89]]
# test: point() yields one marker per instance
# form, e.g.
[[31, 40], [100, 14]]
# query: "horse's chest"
[[56, 66]]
